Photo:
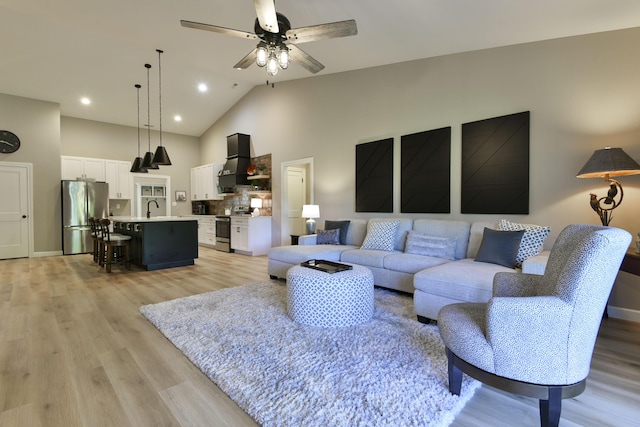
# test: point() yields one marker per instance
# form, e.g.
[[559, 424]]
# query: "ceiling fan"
[[277, 45]]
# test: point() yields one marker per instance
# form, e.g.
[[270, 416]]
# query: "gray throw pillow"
[[428, 245], [328, 237], [532, 241], [499, 247], [342, 225]]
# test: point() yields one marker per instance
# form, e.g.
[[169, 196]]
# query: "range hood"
[[234, 171]]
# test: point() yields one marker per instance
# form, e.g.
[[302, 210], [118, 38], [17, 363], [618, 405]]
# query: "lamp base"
[[311, 226]]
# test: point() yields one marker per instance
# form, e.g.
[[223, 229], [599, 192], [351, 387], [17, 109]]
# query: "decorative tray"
[[326, 266]]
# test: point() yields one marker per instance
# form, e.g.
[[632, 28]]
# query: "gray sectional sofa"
[[434, 281]]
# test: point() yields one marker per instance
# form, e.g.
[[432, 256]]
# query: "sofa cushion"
[[296, 254], [459, 230], [343, 226], [532, 241], [381, 235], [356, 232], [499, 247], [328, 237], [365, 257], [461, 280], [410, 263], [475, 236], [429, 245]]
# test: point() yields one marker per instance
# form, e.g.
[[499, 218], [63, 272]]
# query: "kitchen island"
[[160, 242]]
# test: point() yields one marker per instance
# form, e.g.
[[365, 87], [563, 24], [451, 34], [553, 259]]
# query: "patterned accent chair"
[[535, 336]]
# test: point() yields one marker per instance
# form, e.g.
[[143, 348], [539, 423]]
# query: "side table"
[[631, 262]]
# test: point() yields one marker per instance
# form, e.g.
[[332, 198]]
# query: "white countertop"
[[152, 219]]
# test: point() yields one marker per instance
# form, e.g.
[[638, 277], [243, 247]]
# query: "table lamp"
[[311, 212], [606, 163], [256, 204]]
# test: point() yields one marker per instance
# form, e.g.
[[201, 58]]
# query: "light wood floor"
[[75, 351]]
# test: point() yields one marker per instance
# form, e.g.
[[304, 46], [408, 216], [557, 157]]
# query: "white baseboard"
[[44, 254], [624, 313]]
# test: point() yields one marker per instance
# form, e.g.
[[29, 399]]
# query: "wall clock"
[[9, 142]]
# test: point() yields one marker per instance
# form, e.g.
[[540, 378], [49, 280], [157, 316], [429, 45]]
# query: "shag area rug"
[[390, 371]]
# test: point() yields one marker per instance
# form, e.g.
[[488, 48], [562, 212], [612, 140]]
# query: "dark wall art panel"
[[426, 172], [495, 165], [374, 176]]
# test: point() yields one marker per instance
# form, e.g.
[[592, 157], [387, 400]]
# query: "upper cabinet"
[[204, 182], [120, 180], [83, 168]]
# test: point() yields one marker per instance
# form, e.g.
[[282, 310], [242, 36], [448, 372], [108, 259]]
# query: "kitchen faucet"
[[149, 210]]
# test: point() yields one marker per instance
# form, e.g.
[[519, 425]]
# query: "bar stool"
[[115, 246], [96, 235]]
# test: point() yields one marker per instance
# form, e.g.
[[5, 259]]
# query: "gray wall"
[[37, 124], [87, 138], [583, 94]]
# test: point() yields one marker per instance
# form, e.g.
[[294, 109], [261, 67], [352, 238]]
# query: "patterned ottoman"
[[317, 298]]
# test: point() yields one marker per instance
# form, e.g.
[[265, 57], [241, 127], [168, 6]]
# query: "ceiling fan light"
[[262, 55], [272, 66], [283, 57]]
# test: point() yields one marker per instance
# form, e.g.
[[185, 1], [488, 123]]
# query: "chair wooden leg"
[[109, 257], [455, 374], [550, 409], [127, 258]]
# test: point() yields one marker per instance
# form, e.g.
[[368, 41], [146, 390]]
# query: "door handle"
[[24, 216]]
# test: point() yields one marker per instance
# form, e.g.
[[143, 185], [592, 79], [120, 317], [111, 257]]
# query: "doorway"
[[297, 190], [15, 210]]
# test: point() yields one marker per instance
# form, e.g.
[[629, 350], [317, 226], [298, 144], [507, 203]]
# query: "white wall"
[[583, 94]]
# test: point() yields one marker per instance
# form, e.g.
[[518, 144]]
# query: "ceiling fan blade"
[[323, 31], [301, 57], [247, 60], [217, 29], [266, 12]]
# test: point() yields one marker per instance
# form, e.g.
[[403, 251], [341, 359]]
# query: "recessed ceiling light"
[[202, 87], [85, 101], [177, 118]]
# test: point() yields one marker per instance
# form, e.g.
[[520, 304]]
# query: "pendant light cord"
[[160, 92], [148, 66], [138, 92]]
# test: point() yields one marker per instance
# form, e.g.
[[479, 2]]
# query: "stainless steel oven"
[[223, 233]]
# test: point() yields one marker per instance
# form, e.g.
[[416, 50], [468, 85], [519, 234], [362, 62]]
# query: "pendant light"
[[161, 157], [137, 163], [147, 162]]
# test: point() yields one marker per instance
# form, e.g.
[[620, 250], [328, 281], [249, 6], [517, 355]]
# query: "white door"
[[297, 194], [14, 211]]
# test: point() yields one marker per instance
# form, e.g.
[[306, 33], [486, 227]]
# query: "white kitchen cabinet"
[[207, 230], [204, 182], [119, 178], [83, 167], [251, 235]]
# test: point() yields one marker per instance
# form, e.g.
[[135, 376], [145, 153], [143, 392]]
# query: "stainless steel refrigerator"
[[80, 201]]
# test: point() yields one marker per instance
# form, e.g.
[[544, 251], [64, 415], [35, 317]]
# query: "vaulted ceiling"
[[63, 50]]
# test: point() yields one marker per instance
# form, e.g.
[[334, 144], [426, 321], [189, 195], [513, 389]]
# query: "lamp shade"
[[609, 162], [310, 211], [256, 203], [137, 166], [161, 157]]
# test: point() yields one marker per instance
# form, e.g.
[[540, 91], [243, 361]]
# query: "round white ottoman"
[[340, 299]]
